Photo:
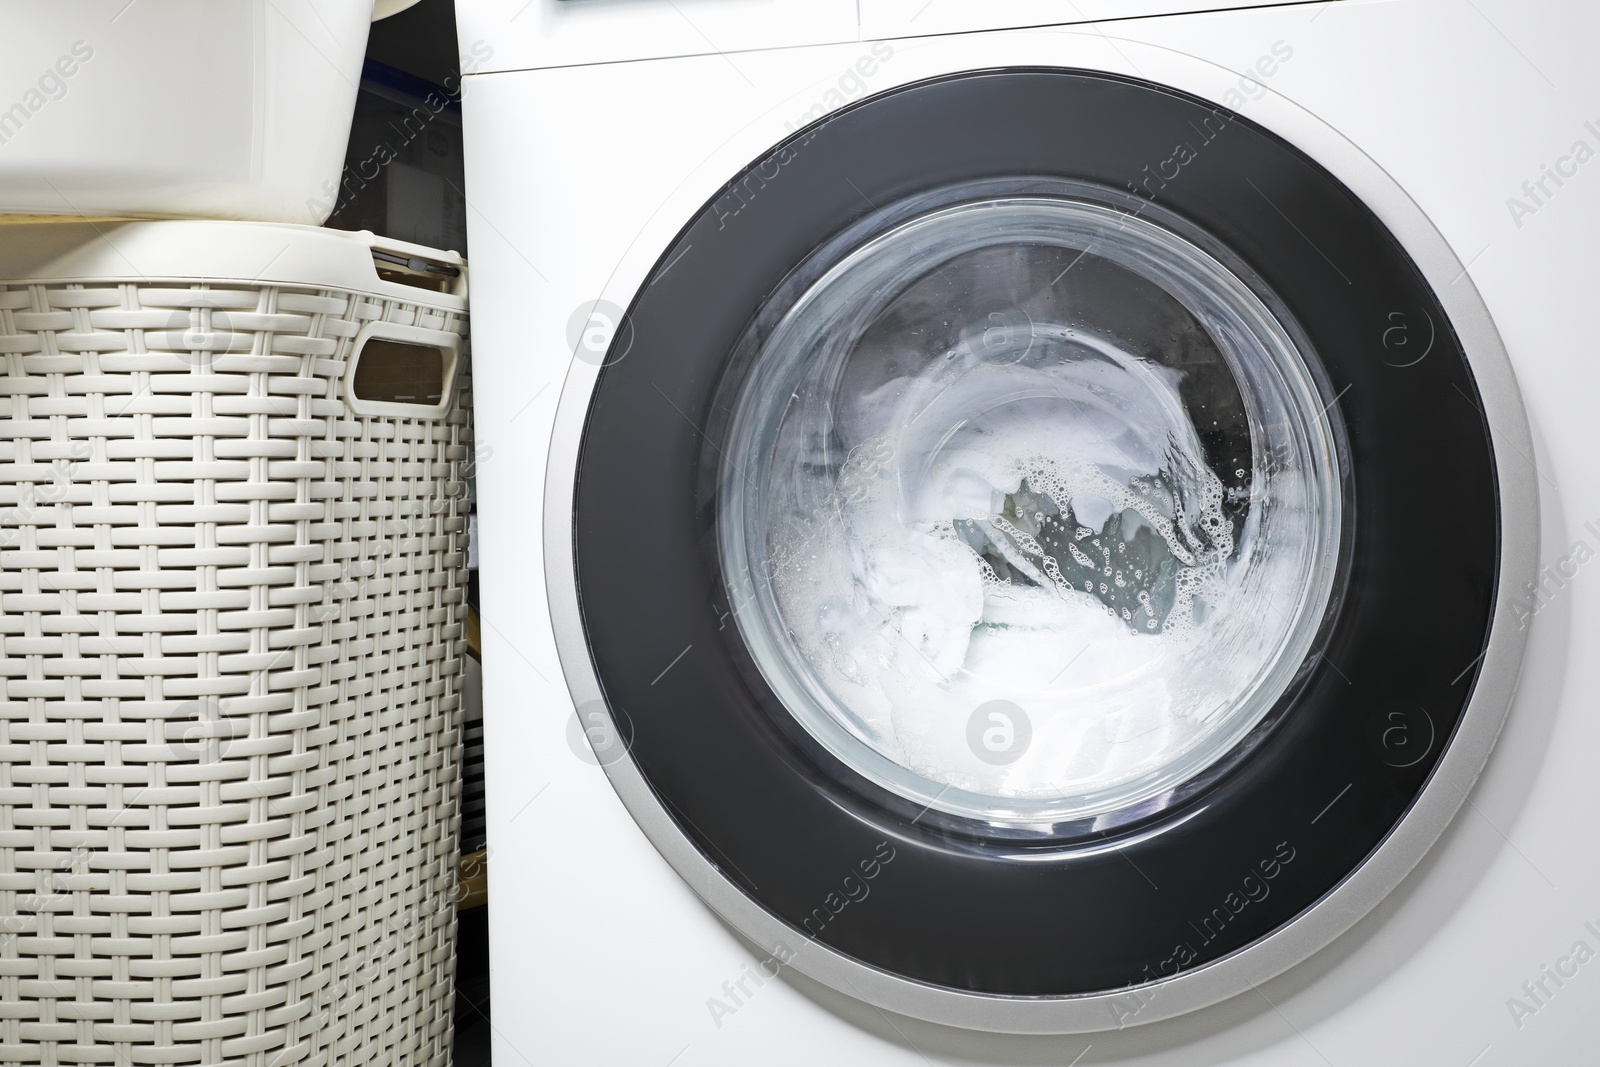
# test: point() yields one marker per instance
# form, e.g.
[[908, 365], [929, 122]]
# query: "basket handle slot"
[[418, 267], [403, 371], [415, 271]]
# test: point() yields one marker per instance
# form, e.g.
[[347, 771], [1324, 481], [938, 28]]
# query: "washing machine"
[[1023, 534]]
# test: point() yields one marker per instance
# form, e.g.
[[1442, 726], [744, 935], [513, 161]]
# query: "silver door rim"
[[1339, 909]]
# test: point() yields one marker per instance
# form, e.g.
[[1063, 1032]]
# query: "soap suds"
[[1039, 526]]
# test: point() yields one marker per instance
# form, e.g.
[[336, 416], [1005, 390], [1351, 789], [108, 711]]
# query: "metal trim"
[[1339, 909]]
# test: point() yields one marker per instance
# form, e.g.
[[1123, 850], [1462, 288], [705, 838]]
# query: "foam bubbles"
[[1043, 529]]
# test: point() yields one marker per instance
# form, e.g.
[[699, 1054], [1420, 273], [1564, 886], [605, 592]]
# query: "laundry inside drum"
[[1035, 507]]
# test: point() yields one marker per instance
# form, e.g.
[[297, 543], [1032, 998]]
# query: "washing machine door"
[[1033, 577]]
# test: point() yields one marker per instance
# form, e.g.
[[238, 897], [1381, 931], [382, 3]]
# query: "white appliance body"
[[582, 174]]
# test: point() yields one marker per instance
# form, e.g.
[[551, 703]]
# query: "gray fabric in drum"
[[232, 623]]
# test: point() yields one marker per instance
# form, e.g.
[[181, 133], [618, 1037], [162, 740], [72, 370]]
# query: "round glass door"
[[1038, 564]]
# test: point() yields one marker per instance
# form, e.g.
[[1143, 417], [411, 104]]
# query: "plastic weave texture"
[[232, 625]]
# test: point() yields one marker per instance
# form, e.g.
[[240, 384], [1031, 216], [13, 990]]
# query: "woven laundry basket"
[[232, 604]]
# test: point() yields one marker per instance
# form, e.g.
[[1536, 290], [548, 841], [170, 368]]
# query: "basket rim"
[[190, 251]]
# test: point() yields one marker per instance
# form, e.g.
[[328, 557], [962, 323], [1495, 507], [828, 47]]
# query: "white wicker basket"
[[232, 603]]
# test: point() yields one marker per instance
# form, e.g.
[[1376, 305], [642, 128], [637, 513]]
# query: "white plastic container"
[[178, 108]]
